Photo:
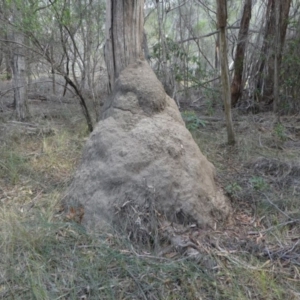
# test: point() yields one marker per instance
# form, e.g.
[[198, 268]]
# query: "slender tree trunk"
[[145, 46], [237, 82], [268, 73], [88, 51], [164, 66], [19, 69], [6, 34], [222, 22], [217, 52], [276, 56], [124, 35], [53, 70], [70, 53], [19, 79], [8, 65], [264, 50], [216, 83], [8, 58], [265, 82]]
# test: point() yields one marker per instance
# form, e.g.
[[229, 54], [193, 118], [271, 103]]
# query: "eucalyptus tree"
[[124, 35], [276, 21], [5, 53], [222, 24], [80, 38], [237, 81], [18, 63], [290, 64], [161, 16], [181, 57], [14, 17], [64, 37]]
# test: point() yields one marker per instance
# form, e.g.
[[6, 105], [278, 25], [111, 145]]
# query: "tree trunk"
[[222, 20], [124, 35], [165, 78], [71, 53], [53, 70], [237, 82], [19, 70], [8, 58], [19, 79], [8, 66], [265, 82], [276, 56]]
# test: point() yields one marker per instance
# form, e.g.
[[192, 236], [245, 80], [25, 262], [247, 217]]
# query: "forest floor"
[[43, 255]]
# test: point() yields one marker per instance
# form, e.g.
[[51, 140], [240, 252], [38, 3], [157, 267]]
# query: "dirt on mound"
[[142, 156]]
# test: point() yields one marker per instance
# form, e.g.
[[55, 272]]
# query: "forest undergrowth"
[[256, 255]]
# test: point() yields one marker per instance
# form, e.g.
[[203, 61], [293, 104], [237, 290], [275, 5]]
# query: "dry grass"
[[43, 256]]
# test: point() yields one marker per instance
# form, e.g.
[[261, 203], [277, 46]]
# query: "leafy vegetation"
[[191, 120], [258, 183], [43, 255]]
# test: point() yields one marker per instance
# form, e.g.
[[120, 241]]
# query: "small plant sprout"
[[192, 121], [258, 183], [233, 188]]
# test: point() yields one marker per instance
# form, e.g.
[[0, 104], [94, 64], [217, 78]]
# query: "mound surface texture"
[[141, 150]]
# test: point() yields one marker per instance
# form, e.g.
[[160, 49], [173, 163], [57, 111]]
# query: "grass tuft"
[[44, 256]]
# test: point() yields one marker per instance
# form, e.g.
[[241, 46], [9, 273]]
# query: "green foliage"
[[258, 183], [291, 63], [212, 97], [200, 25], [173, 49], [48, 259], [25, 17], [4, 76], [290, 77], [66, 18], [192, 121], [279, 131], [195, 71], [233, 189], [11, 164], [44, 256]]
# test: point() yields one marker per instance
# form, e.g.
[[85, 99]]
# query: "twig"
[[259, 140], [22, 45], [149, 256], [272, 227], [290, 250], [176, 7], [236, 261], [276, 206], [137, 283], [22, 123]]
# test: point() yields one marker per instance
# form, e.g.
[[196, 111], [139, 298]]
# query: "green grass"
[[43, 256], [11, 165], [191, 120]]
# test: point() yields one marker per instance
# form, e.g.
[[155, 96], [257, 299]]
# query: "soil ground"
[[46, 255]]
